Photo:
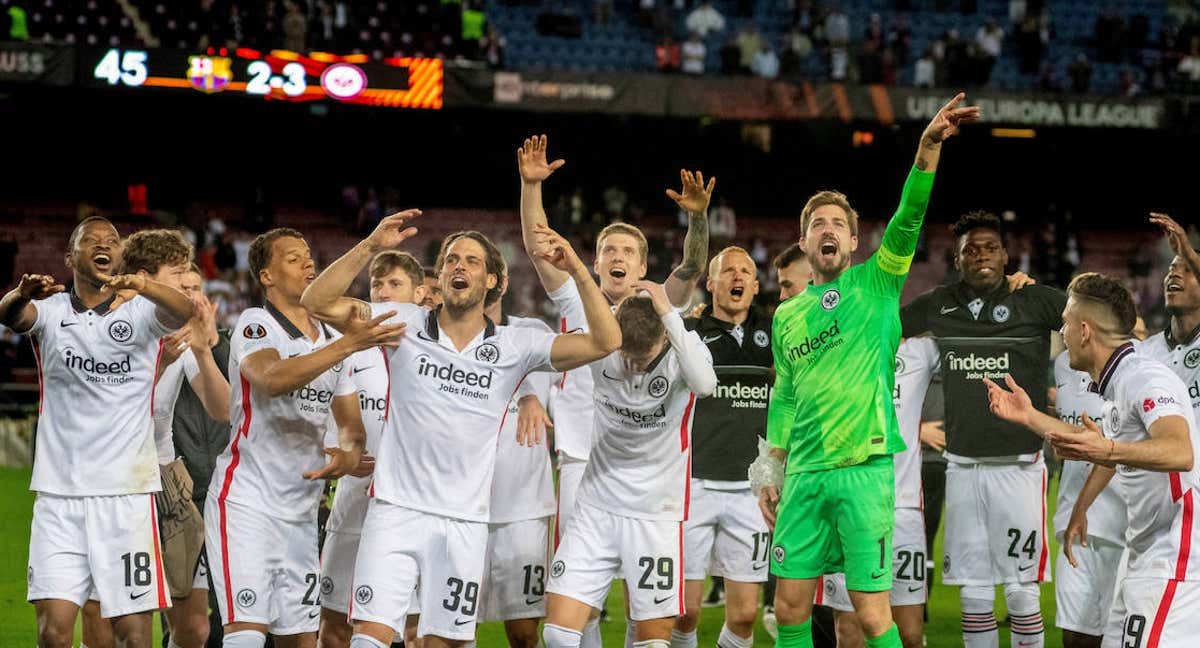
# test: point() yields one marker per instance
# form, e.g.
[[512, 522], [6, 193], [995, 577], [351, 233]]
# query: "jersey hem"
[[453, 515], [670, 517]]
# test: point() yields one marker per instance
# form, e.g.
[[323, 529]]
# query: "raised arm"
[[172, 306], [603, 335], [781, 412], [1178, 238], [943, 126], [17, 311], [694, 200], [695, 360], [324, 297], [534, 169]]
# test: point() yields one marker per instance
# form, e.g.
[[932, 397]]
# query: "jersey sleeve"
[[890, 263], [927, 351], [695, 360], [535, 348], [345, 383], [46, 309], [570, 308], [914, 316], [1154, 399], [781, 411], [255, 331], [191, 368]]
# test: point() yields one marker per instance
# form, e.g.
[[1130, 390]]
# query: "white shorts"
[[264, 569], [725, 535], [908, 566], [570, 473], [1153, 612], [106, 545], [200, 580], [1084, 594], [402, 547], [337, 569], [514, 582], [600, 546], [995, 524]]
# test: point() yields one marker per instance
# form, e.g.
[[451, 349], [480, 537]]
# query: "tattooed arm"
[[694, 200]]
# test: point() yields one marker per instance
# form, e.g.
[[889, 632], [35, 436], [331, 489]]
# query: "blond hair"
[[823, 198]]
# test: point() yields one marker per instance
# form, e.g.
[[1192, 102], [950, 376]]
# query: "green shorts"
[[838, 520]]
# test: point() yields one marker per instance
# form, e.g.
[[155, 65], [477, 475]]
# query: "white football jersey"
[[1138, 391], [1106, 517], [523, 486], [166, 392], [641, 460], [274, 440], [571, 399], [368, 370], [95, 434], [438, 449], [1183, 358], [916, 360]]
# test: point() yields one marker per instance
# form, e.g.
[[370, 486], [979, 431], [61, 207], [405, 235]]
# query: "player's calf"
[[910, 620], [188, 621], [134, 630], [693, 592], [335, 630], [56, 623], [741, 607]]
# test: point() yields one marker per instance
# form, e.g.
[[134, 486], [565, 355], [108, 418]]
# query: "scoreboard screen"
[[276, 75]]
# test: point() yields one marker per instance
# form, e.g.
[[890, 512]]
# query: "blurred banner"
[[28, 63]]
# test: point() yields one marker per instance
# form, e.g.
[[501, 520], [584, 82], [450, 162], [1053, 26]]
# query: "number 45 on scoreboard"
[[128, 67]]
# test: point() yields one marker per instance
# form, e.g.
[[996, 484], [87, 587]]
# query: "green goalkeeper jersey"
[[835, 353]]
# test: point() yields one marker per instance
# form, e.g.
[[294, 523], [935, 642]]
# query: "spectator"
[[1080, 72], [958, 60], [989, 39], [295, 28], [493, 46], [18, 27], [923, 74], [1030, 47], [837, 27], [798, 41], [472, 24], [870, 63], [666, 55], [1048, 81], [1110, 34], [874, 32], [791, 66], [705, 19], [723, 221], [323, 32], [1016, 11], [900, 38], [1189, 65], [615, 198], [765, 63], [804, 17], [693, 54], [731, 57], [750, 42]]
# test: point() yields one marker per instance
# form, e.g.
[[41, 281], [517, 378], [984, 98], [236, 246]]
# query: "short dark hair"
[[1108, 293], [387, 261], [149, 250], [430, 273], [641, 327], [973, 220], [792, 254], [78, 231], [260, 249], [493, 261]]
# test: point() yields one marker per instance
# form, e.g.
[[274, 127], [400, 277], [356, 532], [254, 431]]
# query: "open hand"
[[695, 196], [1082, 444], [1076, 528], [364, 334], [532, 421], [531, 161], [341, 462], [1013, 406], [1176, 235], [203, 325], [1019, 280], [38, 286], [657, 293], [946, 122], [394, 230], [555, 249], [768, 503]]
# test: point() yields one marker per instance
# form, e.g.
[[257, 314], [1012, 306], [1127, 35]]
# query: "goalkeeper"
[[831, 418]]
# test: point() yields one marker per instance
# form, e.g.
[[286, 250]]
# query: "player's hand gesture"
[[364, 334], [1085, 443], [531, 161], [125, 287], [1019, 280], [1076, 528], [658, 295], [695, 196], [365, 467], [532, 421], [933, 434], [38, 286], [173, 346], [393, 230], [1176, 235], [946, 122], [768, 503], [341, 463], [555, 249], [203, 325], [1013, 406]]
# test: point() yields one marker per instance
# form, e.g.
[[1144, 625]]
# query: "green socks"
[[889, 639], [797, 636]]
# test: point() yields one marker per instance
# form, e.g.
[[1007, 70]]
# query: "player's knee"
[[523, 636], [335, 634], [690, 618], [740, 617], [791, 611], [560, 637], [875, 620], [1022, 598], [54, 636]]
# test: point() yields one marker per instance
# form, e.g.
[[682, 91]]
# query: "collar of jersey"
[[101, 309], [287, 323], [996, 294], [432, 330], [709, 322], [1172, 342], [1110, 367]]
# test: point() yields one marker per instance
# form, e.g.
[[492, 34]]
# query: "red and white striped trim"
[[679, 578], [158, 559], [1045, 551], [685, 434]]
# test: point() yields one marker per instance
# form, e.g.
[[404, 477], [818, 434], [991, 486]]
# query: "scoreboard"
[[276, 75]]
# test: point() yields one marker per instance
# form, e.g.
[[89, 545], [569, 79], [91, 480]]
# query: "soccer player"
[[95, 471], [996, 475], [1146, 450], [725, 535], [634, 495], [793, 270], [261, 525], [395, 277], [831, 417], [916, 360], [451, 380]]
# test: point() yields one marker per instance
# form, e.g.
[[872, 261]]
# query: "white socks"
[[652, 643], [979, 618], [366, 641], [630, 633], [730, 640], [253, 639], [1024, 607], [683, 639], [557, 637]]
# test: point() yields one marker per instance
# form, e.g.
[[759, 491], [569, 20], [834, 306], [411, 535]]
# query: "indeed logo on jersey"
[[814, 346], [368, 404], [979, 366], [454, 380], [312, 399], [643, 419], [97, 371], [744, 396]]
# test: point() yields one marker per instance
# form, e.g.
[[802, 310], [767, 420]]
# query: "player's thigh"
[[1160, 612], [387, 567], [700, 532], [514, 584], [909, 582], [1083, 594], [864, 519], [59, 566], [804, 545], [650, 565], [296, 592], [1015, 504], [337, 569], [967, 554], [586, 561], [742, 547], [451, 569], [124, 552], [244, 550]]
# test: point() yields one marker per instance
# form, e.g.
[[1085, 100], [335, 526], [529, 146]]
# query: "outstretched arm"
[[17, 311], [695, 360], [1178, 238], [694, 200], [324, 297], [534, 169], [173, 308]]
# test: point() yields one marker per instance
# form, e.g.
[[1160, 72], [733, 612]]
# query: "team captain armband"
[[891, 262], [765, 470]]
